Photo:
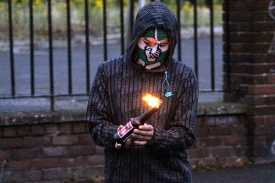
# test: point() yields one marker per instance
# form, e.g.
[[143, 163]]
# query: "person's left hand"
[[143, 134]]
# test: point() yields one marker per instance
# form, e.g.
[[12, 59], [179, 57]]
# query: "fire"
[[151, 100]]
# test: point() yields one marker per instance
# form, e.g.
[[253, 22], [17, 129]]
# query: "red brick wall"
[[250, 31], [221, 141], [63, 151], [48, 152]]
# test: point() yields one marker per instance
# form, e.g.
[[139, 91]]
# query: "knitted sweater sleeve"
[[98, 115], [180, 132]]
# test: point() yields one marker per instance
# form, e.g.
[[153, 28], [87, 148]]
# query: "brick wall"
[[221, 142], [47, 147], [56, 147], [250, 31], [48, 152]]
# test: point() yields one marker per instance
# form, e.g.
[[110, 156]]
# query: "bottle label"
[[125, 129]]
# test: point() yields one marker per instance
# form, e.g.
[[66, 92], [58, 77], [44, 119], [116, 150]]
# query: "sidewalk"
[[264, 173]]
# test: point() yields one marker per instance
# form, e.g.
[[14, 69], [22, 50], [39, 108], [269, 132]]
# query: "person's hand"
[[143, 134], [128, 143]]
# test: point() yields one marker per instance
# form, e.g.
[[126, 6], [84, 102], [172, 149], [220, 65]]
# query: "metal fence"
[[68, 71]]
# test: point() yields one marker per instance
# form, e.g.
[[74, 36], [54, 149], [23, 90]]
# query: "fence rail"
[[69, 71]]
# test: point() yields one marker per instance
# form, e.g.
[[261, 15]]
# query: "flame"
[[151, 100]]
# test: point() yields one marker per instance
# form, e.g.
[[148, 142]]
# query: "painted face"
[[152, 48]]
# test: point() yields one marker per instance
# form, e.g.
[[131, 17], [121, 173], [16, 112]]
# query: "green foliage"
[[206, 2], [20, 13]]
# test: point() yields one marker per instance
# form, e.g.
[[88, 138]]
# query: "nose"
[[155, 48], [156, 51]]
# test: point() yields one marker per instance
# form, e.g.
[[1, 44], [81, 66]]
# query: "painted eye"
[[150, 41]]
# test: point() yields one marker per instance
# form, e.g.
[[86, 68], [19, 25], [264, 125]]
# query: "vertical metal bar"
[[196, 37], [212, 56], [31, 48], [105, 30], [51, 54], [178, 2], [11, 49], [227, 43], [69, 47], [131, 26], [122, 27], [87, 45], [130, 21]]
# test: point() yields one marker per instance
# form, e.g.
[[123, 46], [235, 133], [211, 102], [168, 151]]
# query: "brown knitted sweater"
[[116, 97]]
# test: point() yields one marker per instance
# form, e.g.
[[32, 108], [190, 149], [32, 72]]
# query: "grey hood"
[[154, 15]]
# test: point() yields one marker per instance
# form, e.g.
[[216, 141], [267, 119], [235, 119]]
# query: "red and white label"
[[125, 129]]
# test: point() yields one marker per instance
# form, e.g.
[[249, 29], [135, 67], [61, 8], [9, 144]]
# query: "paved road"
[[22, 66], [248, 174]]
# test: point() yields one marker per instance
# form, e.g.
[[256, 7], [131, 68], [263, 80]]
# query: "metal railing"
[[56, 69]]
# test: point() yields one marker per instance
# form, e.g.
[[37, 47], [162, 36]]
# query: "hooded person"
[[156, 151]]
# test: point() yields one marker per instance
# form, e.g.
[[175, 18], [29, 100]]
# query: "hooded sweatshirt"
[[116, 97]]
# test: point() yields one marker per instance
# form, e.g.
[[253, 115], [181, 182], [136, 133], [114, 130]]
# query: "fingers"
[[127, 144], [120, 126], [143, 134], [146, 127], [118, 146], [139, 136]]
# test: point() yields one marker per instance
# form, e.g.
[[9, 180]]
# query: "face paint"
[[152, 47]]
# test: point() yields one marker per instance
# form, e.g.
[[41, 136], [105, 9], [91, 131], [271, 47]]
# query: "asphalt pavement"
[[22, 69], [264, 173]]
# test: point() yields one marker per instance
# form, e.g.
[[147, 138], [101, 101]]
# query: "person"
[[156, 151]]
